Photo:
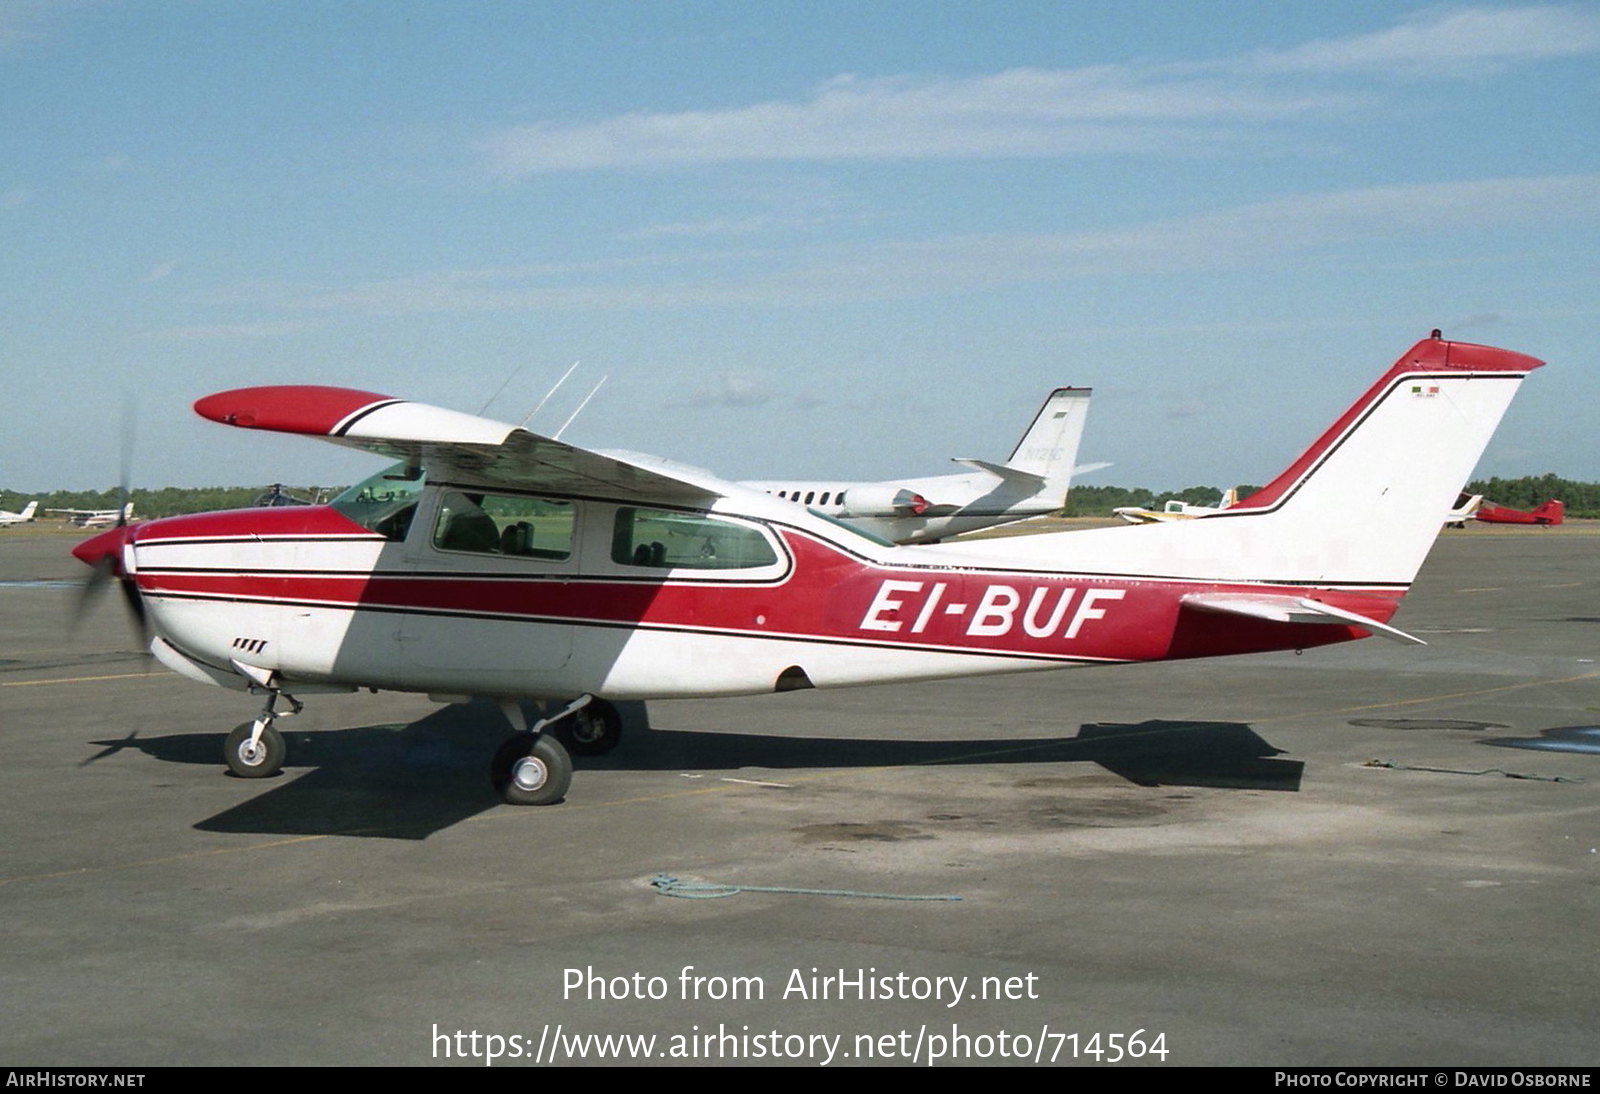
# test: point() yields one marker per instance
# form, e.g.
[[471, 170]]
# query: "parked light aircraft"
[[19, 518], [496, 562], [1466, 507], [1032, 482], [1175, 510], [1551, 512], [97, 518]]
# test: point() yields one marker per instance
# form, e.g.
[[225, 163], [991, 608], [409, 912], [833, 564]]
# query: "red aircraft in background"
[[1551, 512]]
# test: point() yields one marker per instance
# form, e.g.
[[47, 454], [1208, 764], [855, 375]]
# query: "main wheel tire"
[[261, 762], [529, 770], [593, 729]]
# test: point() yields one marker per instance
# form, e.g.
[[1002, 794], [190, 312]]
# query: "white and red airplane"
[[496, 562], [98, 518], [1033, 482]]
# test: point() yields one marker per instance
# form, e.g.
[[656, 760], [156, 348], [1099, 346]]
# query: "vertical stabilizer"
[[1049, 448], [1551, 512], [1359, 508]]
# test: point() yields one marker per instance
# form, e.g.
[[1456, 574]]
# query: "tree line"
[[1582, 499], [169, 501]]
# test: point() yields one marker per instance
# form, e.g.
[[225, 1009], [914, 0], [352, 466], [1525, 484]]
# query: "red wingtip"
[[299, 408]]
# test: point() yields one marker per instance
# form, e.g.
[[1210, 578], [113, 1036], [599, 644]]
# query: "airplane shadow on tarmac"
[[408, 781]]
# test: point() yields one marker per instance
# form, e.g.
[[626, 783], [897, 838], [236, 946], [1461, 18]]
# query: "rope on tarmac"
[[1396, 765], [667, 885]]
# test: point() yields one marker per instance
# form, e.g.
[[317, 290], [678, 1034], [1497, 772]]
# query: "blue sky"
[[800, 240]]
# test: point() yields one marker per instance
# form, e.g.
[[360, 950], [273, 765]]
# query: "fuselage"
[[1551, 512], [568, 595]]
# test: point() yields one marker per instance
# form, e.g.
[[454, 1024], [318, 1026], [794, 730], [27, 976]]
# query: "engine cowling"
[[882, 501]]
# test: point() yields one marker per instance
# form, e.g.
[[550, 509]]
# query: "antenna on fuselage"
[[581, 405], [524, 423], [484, 409]]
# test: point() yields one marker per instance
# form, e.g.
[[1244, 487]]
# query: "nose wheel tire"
[[259, 761], [530, 770]]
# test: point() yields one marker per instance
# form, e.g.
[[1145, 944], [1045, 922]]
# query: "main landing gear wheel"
[[531, 770], [259, 761], [592, 730]]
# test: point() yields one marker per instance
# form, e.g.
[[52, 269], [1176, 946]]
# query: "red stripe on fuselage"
[[829, 596], [288, 522]]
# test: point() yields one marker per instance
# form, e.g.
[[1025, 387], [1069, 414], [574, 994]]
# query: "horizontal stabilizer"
[[1291, 609], [1010, 474]]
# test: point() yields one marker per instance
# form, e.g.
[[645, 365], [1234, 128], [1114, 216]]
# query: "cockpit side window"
[[504, 524], [383, 503], [691, 541]]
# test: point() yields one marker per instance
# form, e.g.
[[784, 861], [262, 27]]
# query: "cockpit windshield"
[[871, 537], [383, 503]]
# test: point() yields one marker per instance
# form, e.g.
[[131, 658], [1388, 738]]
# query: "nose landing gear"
[[256, 750]]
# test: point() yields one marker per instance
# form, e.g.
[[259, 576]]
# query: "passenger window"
[[665, 540], [501, 524]]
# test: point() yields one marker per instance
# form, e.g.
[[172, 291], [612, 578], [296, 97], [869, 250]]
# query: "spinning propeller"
[[104, 552]]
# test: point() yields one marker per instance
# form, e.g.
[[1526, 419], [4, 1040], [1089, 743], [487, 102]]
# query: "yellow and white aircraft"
[[1175, 510], [1032, 482]]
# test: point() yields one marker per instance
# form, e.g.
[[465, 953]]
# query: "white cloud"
[[160, 270], [731, 389], [231, 330], [1019, 112], [1404, 219], [30, 21], [1445, 42], [747, 225], [1037, 112]]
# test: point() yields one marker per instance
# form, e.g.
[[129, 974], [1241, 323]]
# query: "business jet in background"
[[1032, 482]]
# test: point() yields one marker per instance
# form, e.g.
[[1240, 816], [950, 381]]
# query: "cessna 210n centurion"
[[495, 562]]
